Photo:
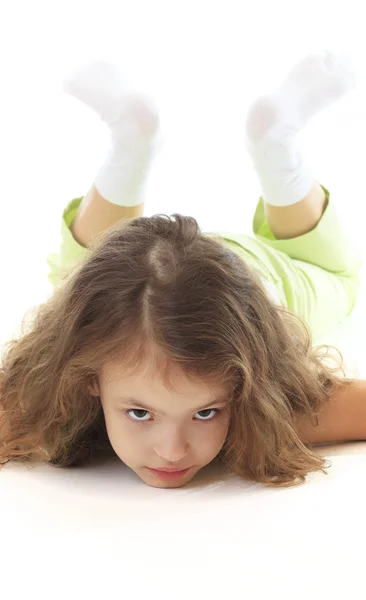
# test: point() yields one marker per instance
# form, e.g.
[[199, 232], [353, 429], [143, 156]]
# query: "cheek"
[[211, 440], [124, 439], [222, 431]]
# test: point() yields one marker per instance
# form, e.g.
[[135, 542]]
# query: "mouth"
[[168, 473]]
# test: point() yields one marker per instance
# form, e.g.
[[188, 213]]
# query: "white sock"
[[133, 120], [274, 122]]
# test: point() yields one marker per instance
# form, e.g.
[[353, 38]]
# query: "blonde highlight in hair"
[[159, 283]]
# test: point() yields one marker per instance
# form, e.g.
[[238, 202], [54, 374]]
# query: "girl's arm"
[[342, 419]]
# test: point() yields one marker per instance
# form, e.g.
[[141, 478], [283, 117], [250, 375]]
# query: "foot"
[[106, 89], [133, 120], [274, 122], [314, 83]]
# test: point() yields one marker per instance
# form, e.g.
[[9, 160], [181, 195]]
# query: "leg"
[[96, 214], [296, 219], [317, 275], [294, 202]]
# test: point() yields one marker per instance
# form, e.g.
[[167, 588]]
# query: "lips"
[[168, 470], [168, 475]]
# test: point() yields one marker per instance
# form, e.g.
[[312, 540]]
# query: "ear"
[[94, 388]]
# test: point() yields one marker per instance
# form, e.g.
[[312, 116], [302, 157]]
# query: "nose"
[[171, 445]]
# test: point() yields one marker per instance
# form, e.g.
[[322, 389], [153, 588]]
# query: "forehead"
[[156, 376]]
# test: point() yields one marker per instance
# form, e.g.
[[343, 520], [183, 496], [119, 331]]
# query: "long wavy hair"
[[160, 282]]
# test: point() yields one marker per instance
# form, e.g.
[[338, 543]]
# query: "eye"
[[139, 415], [138, 412], [206, 417]]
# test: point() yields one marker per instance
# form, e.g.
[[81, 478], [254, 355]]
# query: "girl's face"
[[151, 427]]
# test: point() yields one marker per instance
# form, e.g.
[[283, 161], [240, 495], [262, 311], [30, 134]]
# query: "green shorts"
[[316, 275]]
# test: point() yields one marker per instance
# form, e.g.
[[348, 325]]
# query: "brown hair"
[[159, 282]]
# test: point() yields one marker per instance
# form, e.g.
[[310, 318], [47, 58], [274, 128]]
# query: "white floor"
[[99, 531]]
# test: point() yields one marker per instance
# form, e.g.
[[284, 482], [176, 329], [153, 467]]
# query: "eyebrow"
[[128, 401]]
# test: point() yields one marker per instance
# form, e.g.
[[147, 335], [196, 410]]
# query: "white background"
[[204, 62]]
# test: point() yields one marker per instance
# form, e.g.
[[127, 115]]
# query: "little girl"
[[172, 347]]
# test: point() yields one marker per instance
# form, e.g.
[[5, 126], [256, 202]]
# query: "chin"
[[166, 485]]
